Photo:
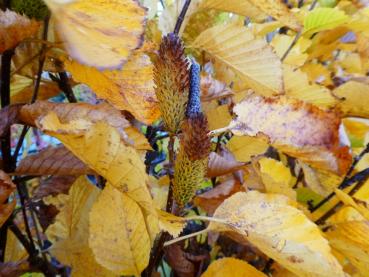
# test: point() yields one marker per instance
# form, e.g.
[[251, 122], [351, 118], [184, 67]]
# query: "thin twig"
[[66, 88], [346, 180], [157, 251], [364, 176], [41, 62], [298, 35], [6, 139], [181, 17]]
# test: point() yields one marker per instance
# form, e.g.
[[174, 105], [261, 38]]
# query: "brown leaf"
[[67, 112], [54, 186], [14, 269], [6, 188], [46, 214], [177, 260], [14, 28], [299, 129], [8, 116], [210, 200], [53, 161], [220, 165], [213, 89]]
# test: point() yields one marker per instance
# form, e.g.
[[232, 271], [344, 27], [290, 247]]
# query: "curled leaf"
[[296, 128], [14, 28]]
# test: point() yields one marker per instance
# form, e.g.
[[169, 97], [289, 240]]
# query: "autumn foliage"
[[184, 138]]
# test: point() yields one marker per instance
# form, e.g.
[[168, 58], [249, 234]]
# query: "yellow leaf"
[[296, 85], [276, 177], [243, 148], [101, 147], [171, 223], [131, 88], [297, 56], [277, 228], [312, 180], [69, 234], [96, 38], [350, 239], [250, 58], [14, 28], [218, 117], [244, 8], [299, 129], [318, 73], [14, 251], [354, 97], [136, 85], [321, 19], [229, 267], [21, 89], [118, 235], [279, 11], [360, 206]]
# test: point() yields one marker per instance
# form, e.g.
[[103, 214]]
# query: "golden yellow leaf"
[[118, 235], [360, 206], [135, 82], [321, 19], [250, 58], [96, 39], [244, 8], [299, 129], [312, 181], [171, 223], [281, 231], [14, 28], [349, 238], [296, 85], [69, 234], [14, 250], [297, 56], [21, 89], [100, 146], [218, 117], [279, 11], [131, 88], [243, 148], [229, 267], [276, 177], [354, 97], [318, 73]]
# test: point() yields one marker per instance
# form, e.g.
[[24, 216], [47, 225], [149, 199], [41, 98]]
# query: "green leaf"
[[321, 19]]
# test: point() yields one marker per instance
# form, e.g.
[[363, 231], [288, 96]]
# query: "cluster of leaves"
[[281, 179]]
